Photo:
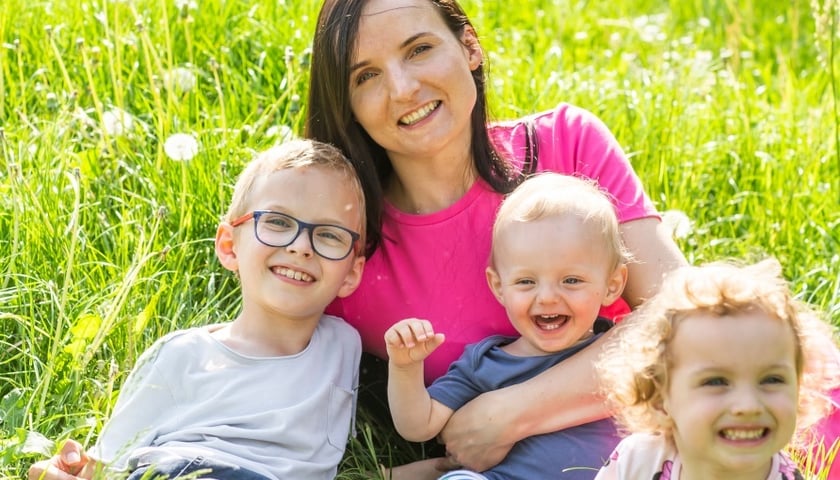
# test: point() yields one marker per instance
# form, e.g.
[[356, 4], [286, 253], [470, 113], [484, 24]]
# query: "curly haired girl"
[[714, 376]]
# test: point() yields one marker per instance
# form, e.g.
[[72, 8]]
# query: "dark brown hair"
[[330, 120]]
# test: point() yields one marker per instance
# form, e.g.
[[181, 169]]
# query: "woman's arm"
[[480, 434], [655, 254]]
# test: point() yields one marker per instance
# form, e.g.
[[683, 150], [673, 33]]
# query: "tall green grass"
[[728, 110]]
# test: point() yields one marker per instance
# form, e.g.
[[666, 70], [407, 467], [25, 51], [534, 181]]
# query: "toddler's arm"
[[416, 416]]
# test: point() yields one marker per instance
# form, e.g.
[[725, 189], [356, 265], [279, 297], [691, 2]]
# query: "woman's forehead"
[[406, 7]]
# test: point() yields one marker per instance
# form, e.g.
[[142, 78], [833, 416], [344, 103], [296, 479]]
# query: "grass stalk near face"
[[728, 110]]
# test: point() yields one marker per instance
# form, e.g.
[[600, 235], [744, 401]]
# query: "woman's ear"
[[475, 56], [225, 251]]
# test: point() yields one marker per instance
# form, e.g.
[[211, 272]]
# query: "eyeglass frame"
[[309, 227]]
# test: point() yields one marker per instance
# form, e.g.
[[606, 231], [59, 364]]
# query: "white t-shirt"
[[283, 417]]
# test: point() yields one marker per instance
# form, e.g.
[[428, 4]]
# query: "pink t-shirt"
[[432, 266]]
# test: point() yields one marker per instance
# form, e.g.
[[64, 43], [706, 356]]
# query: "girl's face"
[[733, 393], [411, 87]]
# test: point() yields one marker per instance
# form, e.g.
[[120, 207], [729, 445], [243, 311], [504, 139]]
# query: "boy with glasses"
[[271, 394]]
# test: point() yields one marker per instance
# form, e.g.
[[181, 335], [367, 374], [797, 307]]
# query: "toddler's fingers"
[[422, 330], [393, 338]]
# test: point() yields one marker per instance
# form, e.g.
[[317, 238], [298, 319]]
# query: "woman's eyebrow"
[[404, 43]]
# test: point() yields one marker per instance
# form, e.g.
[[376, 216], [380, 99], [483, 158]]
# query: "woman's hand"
[[71, 463], [480, 434]]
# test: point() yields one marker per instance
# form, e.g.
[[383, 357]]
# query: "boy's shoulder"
[[336, 326], [178, 340]]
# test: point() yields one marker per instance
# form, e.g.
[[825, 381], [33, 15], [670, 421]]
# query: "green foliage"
[[727, 109]]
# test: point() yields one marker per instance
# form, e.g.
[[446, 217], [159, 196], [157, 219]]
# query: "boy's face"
[[293, 281], [732, 394], [552, 276]]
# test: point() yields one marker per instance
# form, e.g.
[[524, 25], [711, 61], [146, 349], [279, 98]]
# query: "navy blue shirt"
[[574, 453]]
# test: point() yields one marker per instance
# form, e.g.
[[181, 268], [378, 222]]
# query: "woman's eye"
[[363, 77], [419, 49]]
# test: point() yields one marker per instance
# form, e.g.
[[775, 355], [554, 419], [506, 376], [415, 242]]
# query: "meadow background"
[[727, 108]]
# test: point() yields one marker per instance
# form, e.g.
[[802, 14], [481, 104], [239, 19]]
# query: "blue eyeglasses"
[[275, 229]]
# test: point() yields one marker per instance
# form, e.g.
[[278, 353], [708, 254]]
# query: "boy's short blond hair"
[[551, 194], [634, 367], [297, 153]]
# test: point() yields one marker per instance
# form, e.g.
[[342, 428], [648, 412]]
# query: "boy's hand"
[[410, 341], [69, 464]]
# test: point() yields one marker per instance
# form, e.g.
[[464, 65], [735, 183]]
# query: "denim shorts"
[[158, 466]]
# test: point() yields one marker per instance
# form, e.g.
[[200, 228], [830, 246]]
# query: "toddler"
[[556, 259]]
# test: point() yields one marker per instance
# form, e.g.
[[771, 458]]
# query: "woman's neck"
[[429, 193], [421, 186]]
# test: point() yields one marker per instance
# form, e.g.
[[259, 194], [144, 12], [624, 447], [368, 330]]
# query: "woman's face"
[[411, 87]]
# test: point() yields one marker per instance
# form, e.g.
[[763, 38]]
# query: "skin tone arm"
[[417, 417], [71, 463], [480, 434]]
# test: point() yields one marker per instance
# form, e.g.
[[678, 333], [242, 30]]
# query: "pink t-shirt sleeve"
[[573, 141]]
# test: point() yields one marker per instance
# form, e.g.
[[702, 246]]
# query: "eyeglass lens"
[[279, 230]]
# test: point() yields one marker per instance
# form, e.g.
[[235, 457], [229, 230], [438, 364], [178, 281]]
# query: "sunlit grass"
[[727, 109]]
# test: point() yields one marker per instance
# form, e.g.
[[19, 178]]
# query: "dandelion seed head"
[[186, 5], [117, 122], [283, 133], [180, 147], [678, 223], [181, 79]]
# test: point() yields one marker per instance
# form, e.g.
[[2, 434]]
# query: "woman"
[[398, 85]]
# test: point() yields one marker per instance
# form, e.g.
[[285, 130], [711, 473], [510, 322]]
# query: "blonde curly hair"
[[635, 365]]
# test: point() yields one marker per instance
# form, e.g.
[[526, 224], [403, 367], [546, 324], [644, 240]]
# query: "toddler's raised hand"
[[410, 341]]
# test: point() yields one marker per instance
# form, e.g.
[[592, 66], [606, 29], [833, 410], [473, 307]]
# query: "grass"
[[728, 110]]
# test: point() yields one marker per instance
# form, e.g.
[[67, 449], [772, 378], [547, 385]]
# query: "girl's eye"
[[714, 382], [572, 281], [774, 379], [524, 281]]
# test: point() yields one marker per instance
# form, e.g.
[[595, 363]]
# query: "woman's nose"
[[402, 84]]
